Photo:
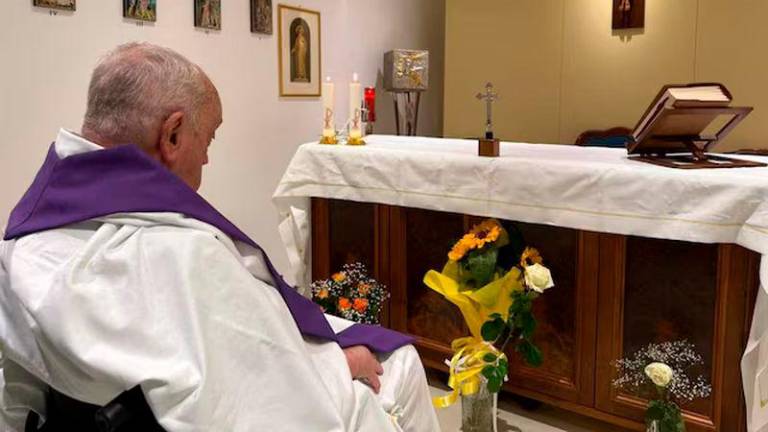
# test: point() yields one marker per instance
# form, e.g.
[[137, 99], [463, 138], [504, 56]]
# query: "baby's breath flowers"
[[667, 375], [351, 294]]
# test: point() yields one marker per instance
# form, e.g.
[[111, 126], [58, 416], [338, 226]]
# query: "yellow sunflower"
[[530, 256], [486, 232]]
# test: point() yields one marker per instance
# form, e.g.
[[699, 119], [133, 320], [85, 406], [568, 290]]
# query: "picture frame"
[[141, 10], [208, 14], [299, 56], [67, 5], [261, 16]]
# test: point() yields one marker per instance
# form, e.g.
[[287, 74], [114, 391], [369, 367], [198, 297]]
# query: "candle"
[[329, 129], [370, 103], [355, 102]]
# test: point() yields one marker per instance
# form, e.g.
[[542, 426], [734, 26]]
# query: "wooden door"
[[657, 290], [566, 314]]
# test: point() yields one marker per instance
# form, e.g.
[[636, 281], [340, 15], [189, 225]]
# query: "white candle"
[[355, 103], [329, 129]]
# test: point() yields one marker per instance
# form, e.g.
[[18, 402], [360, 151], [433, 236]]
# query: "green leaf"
[[655, 411], [521, 303], [488, 372], [482, 266], [489, 358], [527, 324], [667, 414], [491, 330], [494, 384], [503, 368], [531, 354]]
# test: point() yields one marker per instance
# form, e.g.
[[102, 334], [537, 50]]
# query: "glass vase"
[[653, 426], [478, 411]]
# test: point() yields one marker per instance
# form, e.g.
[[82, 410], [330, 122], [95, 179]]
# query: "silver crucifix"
[[490, 97]]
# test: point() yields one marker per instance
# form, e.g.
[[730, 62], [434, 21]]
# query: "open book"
[[684, 122], [684, 96]]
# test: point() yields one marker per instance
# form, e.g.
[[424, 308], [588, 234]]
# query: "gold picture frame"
[[299, 54], [66, 5]]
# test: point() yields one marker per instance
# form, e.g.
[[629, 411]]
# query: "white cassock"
[[171, 303]]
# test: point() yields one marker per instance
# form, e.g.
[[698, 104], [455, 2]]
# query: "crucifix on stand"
[[489, 146]]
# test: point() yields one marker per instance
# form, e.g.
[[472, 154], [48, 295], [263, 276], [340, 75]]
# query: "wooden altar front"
[[613, 295]]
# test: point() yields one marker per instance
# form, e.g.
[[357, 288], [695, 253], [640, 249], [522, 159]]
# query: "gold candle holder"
[[355, 141], [329, 139]]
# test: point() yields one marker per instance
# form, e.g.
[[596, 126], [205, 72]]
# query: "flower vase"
[[478, 411], [653, 426]]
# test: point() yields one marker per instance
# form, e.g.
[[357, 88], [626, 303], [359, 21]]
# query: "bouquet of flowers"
[[664, 374], [351, 294], [496, 304]]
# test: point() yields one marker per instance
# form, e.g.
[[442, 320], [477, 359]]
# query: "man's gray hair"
[[137, 86]]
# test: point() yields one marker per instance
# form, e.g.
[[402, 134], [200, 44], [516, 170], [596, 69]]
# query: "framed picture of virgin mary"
[[298, 41]]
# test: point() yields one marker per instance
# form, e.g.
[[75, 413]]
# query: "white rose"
[[538, 278], [659, 373]]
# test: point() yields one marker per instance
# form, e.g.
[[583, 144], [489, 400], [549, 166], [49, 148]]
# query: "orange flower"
[[361, 305], [466, 244], [530, 256], [363, 289], [486, 232], [339, 277], [322, 294], [344, 303]]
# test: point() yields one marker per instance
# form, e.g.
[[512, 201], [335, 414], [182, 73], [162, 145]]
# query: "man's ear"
[[168, 144]]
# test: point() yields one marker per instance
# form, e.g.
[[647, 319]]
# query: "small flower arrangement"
[[496, 304], [351, 294], [664, 373]]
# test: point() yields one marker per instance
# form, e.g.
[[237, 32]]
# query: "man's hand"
[[364, 366]]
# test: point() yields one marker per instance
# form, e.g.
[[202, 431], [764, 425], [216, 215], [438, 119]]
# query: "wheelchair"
[[128, 412]]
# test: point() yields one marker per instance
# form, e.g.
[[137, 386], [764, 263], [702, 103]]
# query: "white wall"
[[45, 63]]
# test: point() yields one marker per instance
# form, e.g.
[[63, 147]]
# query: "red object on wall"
[[370, 103]]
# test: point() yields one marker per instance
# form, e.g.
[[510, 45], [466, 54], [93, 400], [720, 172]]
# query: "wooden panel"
[[419, 241], [352, 234], [670, 293], [566, 332], [565, 315], [345, 232], [321, 227], [656, 290]]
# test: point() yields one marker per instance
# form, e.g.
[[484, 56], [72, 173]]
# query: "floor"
[[512, 418]]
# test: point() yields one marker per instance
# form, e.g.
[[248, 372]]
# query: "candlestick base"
[[329, 140], [355, 141]]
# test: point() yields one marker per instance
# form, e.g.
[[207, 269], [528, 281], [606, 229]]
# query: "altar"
[[639, 254]]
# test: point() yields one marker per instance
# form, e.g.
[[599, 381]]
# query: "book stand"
[[674, 138]]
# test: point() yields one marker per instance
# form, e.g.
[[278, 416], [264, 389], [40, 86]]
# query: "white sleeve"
[[20, 393], [173, 310]]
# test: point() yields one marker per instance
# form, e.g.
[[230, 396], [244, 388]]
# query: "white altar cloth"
[[587, 188]]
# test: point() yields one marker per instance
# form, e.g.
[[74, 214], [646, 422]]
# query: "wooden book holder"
[[674, 138]]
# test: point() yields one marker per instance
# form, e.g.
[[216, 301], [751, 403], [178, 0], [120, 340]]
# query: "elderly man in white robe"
[[115, 274]]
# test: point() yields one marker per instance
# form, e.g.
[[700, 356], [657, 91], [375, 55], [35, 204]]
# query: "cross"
[[489, 97]]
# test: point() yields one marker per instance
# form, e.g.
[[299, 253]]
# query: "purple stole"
[[125, 180]]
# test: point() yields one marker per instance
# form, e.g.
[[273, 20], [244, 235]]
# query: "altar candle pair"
[[355, 104]]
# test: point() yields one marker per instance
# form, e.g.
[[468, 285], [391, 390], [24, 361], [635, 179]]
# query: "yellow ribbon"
[[476, 306], [466, 367]]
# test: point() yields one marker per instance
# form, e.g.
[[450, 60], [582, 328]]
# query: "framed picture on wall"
[[298, 38], [56, 4], [261, 16], [208, 14], [143, 10]]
